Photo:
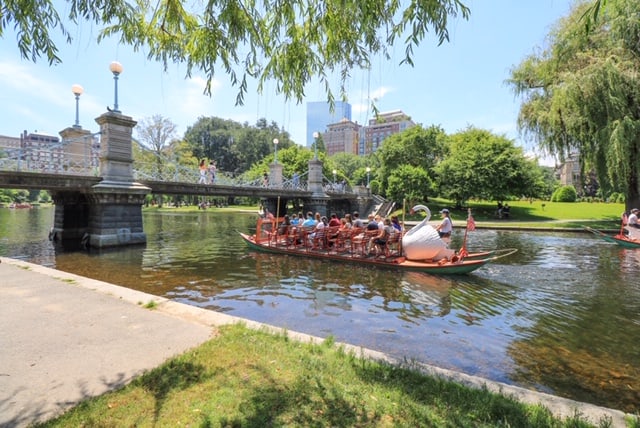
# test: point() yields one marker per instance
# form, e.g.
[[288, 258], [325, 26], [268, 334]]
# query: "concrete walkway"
[[65, 338]]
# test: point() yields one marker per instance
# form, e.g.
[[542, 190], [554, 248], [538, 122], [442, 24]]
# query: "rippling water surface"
[[562, 315]]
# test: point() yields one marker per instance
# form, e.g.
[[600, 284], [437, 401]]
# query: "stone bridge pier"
[[109, 214]]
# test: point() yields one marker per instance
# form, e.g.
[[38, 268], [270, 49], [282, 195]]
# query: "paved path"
[[64, 338]]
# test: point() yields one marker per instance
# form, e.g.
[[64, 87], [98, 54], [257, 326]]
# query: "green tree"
[[235, 146], [318, 145], [484, 166], [544, 182], [289, 42], [409, 182], [583, 93], [294, 159], [214, 138], [417, 147], [352, 167]]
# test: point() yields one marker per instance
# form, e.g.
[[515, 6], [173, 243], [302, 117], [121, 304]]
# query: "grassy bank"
[[536, 214], [247, 378]]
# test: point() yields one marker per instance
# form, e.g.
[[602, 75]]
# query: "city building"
[[37, 151], [41, 151], [8, 143], [320, 116], [569, 174], [381, 127], [569, 171], [342, 137]]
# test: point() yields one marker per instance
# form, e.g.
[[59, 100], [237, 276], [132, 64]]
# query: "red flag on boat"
[[471, 224]]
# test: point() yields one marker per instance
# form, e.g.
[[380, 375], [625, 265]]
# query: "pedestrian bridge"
[[99, 188], [56, 168]]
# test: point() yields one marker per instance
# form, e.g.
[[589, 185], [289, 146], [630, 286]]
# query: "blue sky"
[[457, 84]]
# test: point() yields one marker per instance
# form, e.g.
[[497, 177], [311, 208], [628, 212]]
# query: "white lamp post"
[[334, 176], [368, 172], [77, 91], [315, 144], [275, 150], [116, 69]]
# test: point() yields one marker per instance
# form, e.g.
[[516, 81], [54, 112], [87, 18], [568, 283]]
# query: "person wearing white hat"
[[445, 227]]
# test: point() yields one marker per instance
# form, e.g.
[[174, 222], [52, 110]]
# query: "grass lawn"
[[541, 214], [248, 378]]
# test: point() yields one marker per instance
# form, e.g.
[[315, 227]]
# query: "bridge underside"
[[98, 219]]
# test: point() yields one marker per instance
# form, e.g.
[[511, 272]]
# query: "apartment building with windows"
[[381, 127], [342, 137]]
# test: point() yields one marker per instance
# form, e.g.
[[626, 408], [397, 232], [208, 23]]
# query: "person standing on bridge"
[[203, 172], [212, 171]]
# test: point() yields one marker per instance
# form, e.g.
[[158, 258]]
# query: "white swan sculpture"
[[422, 242]]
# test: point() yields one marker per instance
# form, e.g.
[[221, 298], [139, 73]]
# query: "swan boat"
[[420, 249], [619, 239]]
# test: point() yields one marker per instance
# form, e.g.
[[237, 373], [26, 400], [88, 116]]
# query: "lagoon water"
[[562, 315]]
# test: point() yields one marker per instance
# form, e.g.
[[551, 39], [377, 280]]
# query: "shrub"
[[375, 187], [564, 194]]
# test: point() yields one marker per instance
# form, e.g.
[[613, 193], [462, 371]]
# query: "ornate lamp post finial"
[[315, 144], [116, 69], [275, 150], [77, 91]]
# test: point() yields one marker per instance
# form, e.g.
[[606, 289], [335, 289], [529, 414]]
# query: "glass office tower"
[[319, 116]]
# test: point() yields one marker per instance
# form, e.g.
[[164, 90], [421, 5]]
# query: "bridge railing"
[[166, 169], [81, 157], [335, 187], [47, 162]]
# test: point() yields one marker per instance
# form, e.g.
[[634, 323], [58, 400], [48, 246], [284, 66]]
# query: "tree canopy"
[[582, 94], [418, 147], [485, 166], [234, 146], [288, 42]]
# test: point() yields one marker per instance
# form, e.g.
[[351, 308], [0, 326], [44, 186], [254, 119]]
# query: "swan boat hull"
[[463, 266], [620, 240]]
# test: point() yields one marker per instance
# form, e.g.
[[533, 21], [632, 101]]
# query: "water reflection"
[[562, 315]]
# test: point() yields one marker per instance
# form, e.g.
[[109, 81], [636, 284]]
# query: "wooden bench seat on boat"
[[340, 241], [360, 242]]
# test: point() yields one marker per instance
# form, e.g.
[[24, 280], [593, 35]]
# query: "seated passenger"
[[357, 221], [505, 210], [396, 223], [309, 222], [445, 227], [316, 238], [633, 226], [334, 221], [284, 227], [372, 225], [380, 240]]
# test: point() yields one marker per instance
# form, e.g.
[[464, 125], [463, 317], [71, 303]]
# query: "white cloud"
[[379, 93], [22, 80]]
